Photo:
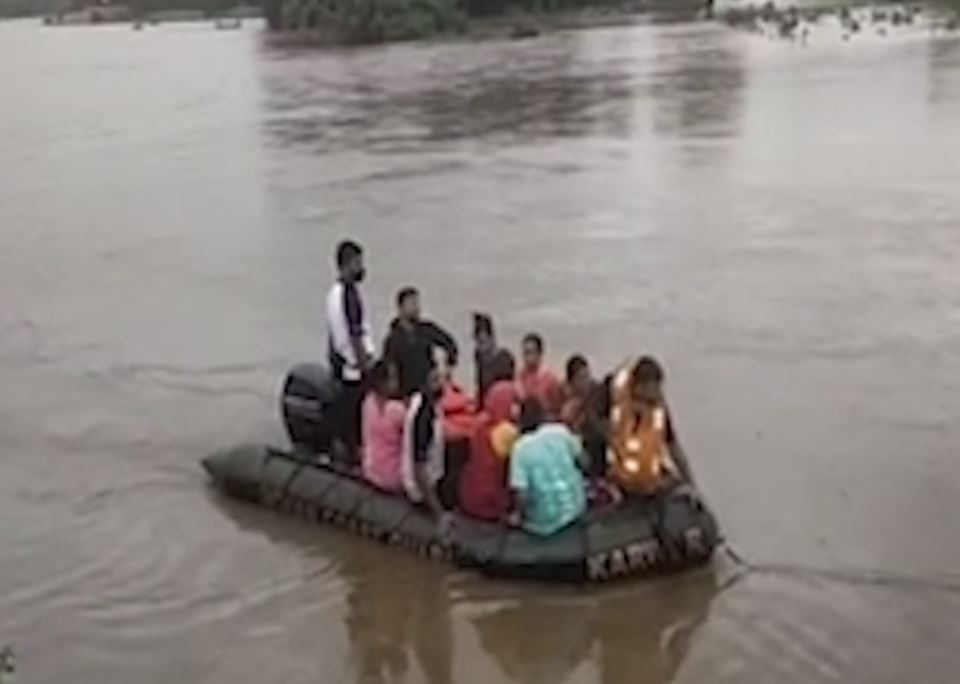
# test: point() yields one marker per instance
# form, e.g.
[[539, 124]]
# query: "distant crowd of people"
[[533, 449]]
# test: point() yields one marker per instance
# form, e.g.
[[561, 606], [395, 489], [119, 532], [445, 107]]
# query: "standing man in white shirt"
[[351, 348]]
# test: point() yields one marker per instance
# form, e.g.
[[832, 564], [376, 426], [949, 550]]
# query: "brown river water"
[[779, 223]]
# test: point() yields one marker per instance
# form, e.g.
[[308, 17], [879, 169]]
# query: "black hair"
[[535, 339], [347, 250], [405, 293], [380, 374], [575, 364], [482, 323], [648, 369], [532, 414], [503, 366]]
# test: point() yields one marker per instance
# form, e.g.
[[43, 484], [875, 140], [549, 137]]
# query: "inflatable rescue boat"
[[636, 537]]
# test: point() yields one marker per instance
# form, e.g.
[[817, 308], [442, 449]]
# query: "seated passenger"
[[546, 482], [422, 463], [646, 457], [585, 413], [383, 418], [487, 355], [459, 423], [456, 406], [483, 481], [537, 381]]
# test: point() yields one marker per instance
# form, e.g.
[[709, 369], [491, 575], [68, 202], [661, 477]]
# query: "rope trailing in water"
[[859, 576]]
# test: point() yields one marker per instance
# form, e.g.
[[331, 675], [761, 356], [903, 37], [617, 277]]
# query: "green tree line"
[[377, 20]]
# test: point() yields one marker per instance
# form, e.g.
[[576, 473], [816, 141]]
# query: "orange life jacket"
[[638, 455]]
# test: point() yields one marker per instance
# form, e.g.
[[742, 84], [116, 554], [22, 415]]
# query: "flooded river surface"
[[781, 224]]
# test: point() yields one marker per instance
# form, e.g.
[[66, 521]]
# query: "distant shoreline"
[[124, 14]]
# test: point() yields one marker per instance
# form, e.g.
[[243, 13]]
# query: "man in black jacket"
[[411, 343]]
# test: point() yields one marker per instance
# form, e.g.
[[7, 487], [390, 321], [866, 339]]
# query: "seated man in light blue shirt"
[[547, 484]]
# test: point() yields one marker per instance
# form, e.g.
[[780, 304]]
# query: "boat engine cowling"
[[308, 395]]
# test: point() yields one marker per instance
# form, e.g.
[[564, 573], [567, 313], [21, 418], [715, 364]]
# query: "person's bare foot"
[[445, 525], [339, 452]]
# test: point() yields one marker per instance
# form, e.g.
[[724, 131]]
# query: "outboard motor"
[[308, 395]]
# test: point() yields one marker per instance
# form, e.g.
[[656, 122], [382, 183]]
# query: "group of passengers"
[[537, 450]]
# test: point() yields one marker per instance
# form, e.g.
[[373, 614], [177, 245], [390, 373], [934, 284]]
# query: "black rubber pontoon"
[[634, 538]]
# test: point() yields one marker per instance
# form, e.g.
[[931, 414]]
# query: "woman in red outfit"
[[538, 382], [483, 482], [459, 415]]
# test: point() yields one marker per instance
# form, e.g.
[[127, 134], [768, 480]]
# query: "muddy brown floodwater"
[[781, 224]]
